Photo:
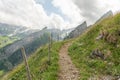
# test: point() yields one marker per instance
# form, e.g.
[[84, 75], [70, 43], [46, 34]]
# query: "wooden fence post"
[[49, 49], [26, 63]]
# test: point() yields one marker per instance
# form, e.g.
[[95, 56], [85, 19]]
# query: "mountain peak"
[[106, 15]]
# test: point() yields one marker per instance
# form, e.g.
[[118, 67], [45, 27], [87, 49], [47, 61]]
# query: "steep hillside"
[[97, 52], [10, 55], [39, 67], [82, 27], [106, 15]]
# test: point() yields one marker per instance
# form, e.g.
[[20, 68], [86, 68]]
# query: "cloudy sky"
[[60, 14]]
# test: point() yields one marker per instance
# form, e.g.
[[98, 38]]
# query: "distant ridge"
[[16, 31], [77, 31], [106, 15], [82, 27]]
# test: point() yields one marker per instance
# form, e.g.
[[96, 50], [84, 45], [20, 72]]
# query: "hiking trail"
[[68, 71]]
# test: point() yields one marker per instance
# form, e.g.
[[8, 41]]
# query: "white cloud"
[[113, 5], [23, 12], [91, 10], [70, 10], [30, 14], [56, 21]]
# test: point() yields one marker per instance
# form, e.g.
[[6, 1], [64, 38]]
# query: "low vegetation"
[[1, 73], [4, 40], [82, 49], [39, 67]]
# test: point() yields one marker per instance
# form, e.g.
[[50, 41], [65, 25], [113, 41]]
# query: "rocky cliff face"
[[77, 31], [106, 15]]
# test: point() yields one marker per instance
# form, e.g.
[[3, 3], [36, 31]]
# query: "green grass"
[[39, 67], [4, 40], [1, 73], [81, 48]]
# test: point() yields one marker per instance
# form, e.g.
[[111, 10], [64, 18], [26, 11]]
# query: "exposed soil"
[[67, 69]]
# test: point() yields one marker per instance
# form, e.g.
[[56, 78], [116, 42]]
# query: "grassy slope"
[[83, 46], [38, 65], [4, 40]]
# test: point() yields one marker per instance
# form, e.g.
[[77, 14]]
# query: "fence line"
[[26, 63]]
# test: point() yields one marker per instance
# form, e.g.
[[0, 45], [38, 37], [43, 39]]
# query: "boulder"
[[96, 54]]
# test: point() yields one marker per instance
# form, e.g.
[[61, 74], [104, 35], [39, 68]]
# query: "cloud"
[[31, 14], [56, 21], [70, 10], [91, 10], [22, 12], [114, 5]]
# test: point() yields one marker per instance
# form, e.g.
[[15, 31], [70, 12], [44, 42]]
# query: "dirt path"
[[67, 70]]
